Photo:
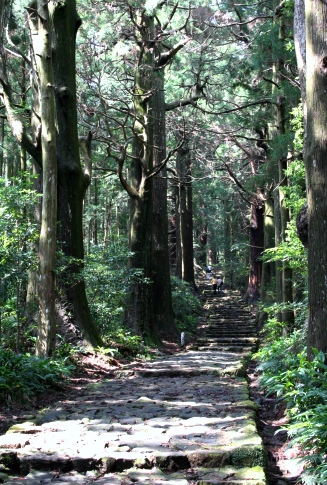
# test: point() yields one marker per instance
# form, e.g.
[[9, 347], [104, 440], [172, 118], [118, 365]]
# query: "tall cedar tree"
[[316, 172]]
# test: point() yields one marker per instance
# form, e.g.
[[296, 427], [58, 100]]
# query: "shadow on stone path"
[[180, 420]]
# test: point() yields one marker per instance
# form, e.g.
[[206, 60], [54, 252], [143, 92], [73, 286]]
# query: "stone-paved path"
[[181, 420]]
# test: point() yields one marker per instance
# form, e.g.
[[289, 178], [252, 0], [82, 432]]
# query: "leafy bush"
[[286, 372], [186, 305], [23, 376], [18, 233], [129, 345], [307, 397], [107, 279], [277, 359]]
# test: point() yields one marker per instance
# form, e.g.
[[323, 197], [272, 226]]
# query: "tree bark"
[[164, 318], [268, 269], [72, 182], [256, 248], [140, 306], [186, 213], [316, 172], [46, 338]]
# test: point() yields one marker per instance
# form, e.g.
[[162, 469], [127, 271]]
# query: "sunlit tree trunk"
[[227, 239], [46, 337], [316, 172]]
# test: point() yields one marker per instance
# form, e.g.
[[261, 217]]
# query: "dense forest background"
[[141, 141]]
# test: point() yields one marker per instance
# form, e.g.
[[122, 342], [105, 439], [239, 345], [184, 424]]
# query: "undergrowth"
[[23, 376], [286, 373]]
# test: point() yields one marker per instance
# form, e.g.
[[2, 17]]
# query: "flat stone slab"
[[180, 420], [172, 423], [154, 476]]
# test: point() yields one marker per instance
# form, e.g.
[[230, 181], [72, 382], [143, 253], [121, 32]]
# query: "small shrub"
[[23, 376], [186, 305]]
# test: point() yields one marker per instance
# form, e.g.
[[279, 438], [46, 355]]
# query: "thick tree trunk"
[[163, 311], [72, 182], [316, 172], [46, 337], [140, 313], [278, 240], [256, 248], [2, 138]]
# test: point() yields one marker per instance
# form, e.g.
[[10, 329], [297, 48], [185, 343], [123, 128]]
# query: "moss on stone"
[[249, 456]]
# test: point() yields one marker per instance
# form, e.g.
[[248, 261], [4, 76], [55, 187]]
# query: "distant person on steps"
[[220, 284], [214, 284], [208, 272]]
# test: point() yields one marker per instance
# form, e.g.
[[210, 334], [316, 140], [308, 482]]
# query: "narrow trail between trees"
[[184, 419]]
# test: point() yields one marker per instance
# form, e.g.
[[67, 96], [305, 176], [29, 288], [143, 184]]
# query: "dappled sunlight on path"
[[185, 419]]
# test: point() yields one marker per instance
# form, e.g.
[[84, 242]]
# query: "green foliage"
[[107, 280], [17, 227], [286, 373], [18, 234], [291, 252], [186, 305], [129, 345], [298, 127], [24, 376], [65, 350], [307, 397], [106, 351], [276, 359]]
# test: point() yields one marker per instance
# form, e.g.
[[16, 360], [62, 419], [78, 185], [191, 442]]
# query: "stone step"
[[234, 328], [163, 422], [221, 348], [231, 329], [233, 338], [229, 335], [146, 431], [232, 323]]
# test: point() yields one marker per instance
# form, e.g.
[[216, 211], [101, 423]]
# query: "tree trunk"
[[268, 269], [287, 273], [316, 172], [284, 285], [227, 240], [72, 182], [256, 248], [300, 50], [186, 213], [140, 306], [46, 338], [163, 312]]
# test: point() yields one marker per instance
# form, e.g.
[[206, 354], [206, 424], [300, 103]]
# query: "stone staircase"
[[227, 323], [180, 420]]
